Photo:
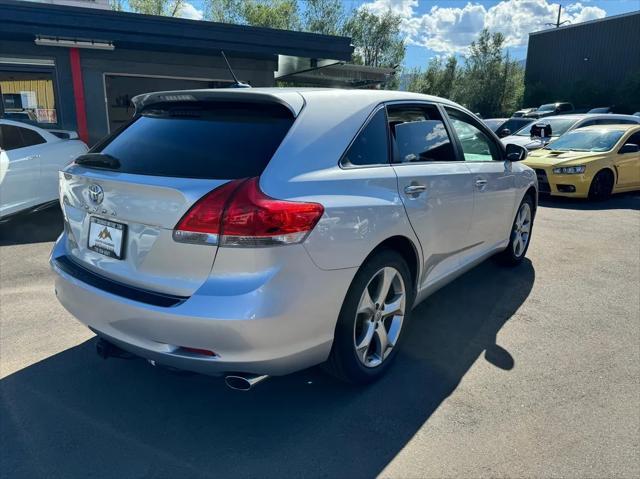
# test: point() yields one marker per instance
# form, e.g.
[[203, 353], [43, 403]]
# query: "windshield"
[[558, 126], [494, 124], [549, 107], [587, 140]]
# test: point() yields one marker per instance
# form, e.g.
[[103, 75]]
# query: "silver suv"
[[258, 232]]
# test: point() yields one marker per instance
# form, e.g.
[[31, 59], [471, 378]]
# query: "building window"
[[28, 97]]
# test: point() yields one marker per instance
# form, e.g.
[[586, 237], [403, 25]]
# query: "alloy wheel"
[[379, 317], [521, 230]]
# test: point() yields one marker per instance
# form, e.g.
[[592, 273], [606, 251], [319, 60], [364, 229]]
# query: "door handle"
[[414, 189], [481, 183]]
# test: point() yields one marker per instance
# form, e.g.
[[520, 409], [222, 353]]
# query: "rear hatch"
[[123, 201]]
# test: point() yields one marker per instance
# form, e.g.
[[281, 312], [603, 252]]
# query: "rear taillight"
[[239, 214]]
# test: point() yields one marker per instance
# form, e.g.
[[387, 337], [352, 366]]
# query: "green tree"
[[117, 5], [223, 11], [440, 79], [488, 82], [282, 14], [484, 78], [376, 38], [169, 8], [324, 16]]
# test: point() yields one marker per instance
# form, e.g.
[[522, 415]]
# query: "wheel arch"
[[406, 248], [611, 170], [533, 194]]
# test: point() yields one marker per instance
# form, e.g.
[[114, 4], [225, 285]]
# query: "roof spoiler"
[[64, 134], [291, 100]]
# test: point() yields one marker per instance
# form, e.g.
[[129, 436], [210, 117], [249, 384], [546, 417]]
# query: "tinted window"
[[558, 125], [634, 139], [216, 141], [30, 137], [495, 125], [370, 146], [613, 121], [476, 144], [547, 107], [10, 137], [418, 134], [514, 124]]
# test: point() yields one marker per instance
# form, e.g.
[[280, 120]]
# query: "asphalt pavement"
[[526, 372]]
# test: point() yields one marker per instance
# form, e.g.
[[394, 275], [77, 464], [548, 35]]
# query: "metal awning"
[[330, 73]]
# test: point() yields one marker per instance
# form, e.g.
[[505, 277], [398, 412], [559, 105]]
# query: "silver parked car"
[[258, 232]]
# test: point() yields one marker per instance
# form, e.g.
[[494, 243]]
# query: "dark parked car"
[[523, 112], [550, 109], [506, 126]]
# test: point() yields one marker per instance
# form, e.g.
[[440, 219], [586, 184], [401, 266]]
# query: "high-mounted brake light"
[[239, 214]]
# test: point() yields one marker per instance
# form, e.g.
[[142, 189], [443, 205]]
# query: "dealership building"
[[77, 68], [591, 64]]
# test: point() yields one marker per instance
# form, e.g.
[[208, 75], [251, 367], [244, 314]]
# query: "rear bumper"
[[271, 323]]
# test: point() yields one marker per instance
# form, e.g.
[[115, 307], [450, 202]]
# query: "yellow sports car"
[[591, 162]]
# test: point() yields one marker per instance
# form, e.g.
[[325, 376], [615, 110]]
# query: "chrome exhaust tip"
[[240, 382]]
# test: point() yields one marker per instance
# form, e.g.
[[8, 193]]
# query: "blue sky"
[[444, 27]]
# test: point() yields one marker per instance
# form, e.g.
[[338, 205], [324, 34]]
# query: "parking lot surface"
[[525, 372]]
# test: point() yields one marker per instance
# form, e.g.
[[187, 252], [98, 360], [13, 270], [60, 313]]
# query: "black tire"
[[343, 363], [601, 186], [511, 257]]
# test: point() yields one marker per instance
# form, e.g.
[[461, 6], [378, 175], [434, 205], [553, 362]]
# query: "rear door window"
[[419, 134], [211, 141]]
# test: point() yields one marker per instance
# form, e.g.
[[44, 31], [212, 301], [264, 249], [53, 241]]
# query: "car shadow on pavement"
[[622, 201], [76, 415], [36, 227]]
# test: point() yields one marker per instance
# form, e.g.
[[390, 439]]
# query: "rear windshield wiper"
[[98, 160]]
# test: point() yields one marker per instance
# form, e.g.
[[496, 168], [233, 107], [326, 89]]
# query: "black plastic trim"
[[81, 273]]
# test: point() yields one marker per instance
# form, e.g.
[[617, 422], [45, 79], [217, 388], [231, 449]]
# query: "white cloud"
[[190, 12], [449, 30], [404, 8]]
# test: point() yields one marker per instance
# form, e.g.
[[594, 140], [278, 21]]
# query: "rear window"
[[212, 141]]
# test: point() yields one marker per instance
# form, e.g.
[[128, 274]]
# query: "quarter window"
[[370, 146], [418, 134], [476, 144], [10, 138], [30, 137], [13, 137]]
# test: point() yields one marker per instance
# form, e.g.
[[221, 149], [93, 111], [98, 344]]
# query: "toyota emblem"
[[96, 194]]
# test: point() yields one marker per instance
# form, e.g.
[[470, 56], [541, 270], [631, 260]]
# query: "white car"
[[30, 159], [561, 124]]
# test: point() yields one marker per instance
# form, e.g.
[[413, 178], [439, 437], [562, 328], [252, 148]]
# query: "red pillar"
[[78, 94]]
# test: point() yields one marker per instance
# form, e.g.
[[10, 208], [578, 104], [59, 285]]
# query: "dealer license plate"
[[106, 237]]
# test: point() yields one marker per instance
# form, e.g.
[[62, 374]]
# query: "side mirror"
[[516, 152], [629, 148], [504, 132]]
